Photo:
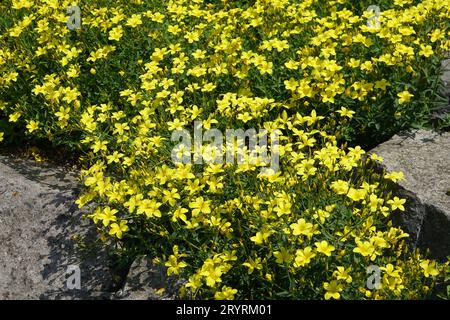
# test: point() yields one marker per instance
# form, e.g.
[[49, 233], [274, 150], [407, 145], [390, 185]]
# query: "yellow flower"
[[179, 213], [333, 289], [342, 274], [340, 186], [19, 4], [253, 264], [395, 176], [71, 95], [344, 112], [134, 21], [99, 145], [283, 256], [429, 268], [303, 257], [404, 97], [107, 216], [391, 271], [194, 282], [353, 63], [324, 248], [200, 206], [199, 54], [357, 194], [291, 84], [381, 84], [302, 228], [212, 274], [174, 266], [150, 208], [261, 236], [374, 202], [397, 203], [171, 196], [364, 248], [63, 114], [32, 126], [227, 293], [436, 35], [118, 229], [116, 33], [1, 136], [426, 51]]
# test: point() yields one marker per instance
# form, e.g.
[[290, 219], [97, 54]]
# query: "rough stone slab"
[[424, 157], [441, 111], [145, 279], [38, 220]]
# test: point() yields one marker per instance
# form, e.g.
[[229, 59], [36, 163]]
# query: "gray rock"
[[145, 279], [424, 157], [39, 219], [446, 76], [441, 108]]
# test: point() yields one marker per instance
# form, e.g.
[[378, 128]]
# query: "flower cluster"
[[312, 70]]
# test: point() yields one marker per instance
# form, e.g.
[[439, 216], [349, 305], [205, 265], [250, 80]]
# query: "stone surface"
[[441, 111], [424, 157], [446, 76], [38, 220], [145, 279]]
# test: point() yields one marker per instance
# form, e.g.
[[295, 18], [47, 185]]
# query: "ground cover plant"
[[325, 76]]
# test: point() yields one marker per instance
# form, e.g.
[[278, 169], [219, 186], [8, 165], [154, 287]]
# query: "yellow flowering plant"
[[315, 72]]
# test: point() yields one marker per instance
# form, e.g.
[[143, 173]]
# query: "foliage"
[[137, 70]]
